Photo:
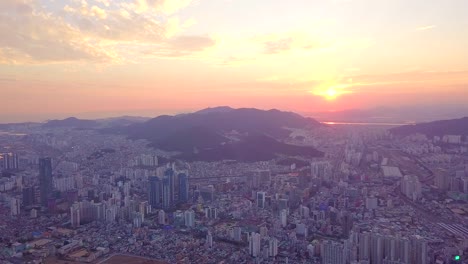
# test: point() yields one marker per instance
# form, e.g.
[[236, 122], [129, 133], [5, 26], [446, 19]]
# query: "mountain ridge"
[[436, 128]]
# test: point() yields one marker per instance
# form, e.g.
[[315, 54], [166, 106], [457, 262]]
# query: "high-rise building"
[[321, 170], [377, 248], [28, 196], [166, 193], [9, 161], [170, 175], [411, 187], [183, 188], [155, 192], [45, 179], [346, 223], [211, 213], [284, 217], [255, 244], [237, 233], [189, 216], [332, 253], [15, 206], [273, 247], [442, 180], [161, 217], [209, 240], [261, 199], [75, 215], [364, 246]]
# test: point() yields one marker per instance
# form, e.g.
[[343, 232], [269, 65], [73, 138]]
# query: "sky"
[[97, 58]]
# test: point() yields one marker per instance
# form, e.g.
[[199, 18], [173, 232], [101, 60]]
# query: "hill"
[[251, 149], [223, 133], [71, 122], [436, 128], [243, 120]]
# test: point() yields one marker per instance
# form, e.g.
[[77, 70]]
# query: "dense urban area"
[[79, 195]]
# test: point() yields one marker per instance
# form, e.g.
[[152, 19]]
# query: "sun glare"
[[331, 94]]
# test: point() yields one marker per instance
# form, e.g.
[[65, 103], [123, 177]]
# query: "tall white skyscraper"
[[189, 216], [255, 241], [161, 217], [284, 217]]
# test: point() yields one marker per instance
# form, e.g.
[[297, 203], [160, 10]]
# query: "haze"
[[100, 58]]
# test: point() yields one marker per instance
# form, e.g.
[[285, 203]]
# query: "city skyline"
[[99, 58]]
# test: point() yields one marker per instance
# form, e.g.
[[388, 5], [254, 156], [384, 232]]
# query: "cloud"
[[289, 42], [97, 31], [181, 46], [192, 43], [167, 7], [424, 28], [29, 36]]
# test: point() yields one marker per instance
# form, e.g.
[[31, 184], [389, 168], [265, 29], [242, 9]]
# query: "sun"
[[331, 93]]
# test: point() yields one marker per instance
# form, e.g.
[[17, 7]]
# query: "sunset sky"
[[95, 58]]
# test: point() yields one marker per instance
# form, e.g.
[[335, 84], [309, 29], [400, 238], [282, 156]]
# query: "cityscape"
[[233, 132], [71, 194]]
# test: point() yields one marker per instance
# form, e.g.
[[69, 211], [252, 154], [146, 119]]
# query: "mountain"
[[436, 128], [222, 133], [122, 121], [252, 148], [243, 120], [71, 122], [402, 114], [219, 109]]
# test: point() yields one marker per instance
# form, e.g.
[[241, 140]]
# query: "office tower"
[[284, 217], [189, 216], [15, 206], [28, 196], [169, 174], [166, 193], [45, 179], [261, 199], [255, 244], [183, 187], [154, 192], [273, 247]]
